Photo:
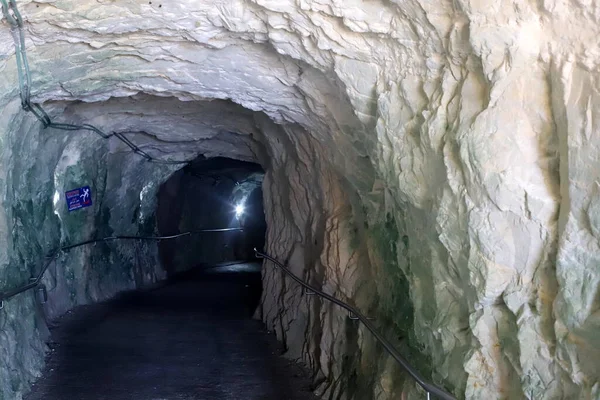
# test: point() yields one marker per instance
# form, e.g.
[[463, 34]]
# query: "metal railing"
[[35, 281], [355, 314]]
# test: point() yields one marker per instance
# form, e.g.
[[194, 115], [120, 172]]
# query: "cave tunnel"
[[215, 193], [419, 178]]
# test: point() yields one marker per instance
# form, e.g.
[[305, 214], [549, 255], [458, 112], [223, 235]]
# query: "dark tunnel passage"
[[192, 336], [191, 339], [216, 193]]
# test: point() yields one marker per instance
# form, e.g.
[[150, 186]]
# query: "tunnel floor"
[[193, 338]]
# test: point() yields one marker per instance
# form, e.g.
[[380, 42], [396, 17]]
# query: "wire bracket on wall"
[[353, 317], [257, 254], [42, 294], [12, 15]]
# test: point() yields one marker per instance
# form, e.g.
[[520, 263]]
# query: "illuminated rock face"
[[435, 162]]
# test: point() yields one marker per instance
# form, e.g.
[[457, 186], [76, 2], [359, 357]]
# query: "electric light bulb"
[[239, 210]]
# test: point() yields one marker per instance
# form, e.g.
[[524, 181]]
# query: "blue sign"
[[79, 198]]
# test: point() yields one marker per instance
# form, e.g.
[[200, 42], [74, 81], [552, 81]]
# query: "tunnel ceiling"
[[219, 168], [433, 162]]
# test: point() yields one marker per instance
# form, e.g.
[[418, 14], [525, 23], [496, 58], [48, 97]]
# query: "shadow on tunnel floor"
[[191, 338]]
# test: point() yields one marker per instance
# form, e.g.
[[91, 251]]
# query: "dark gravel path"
[[191, 339]]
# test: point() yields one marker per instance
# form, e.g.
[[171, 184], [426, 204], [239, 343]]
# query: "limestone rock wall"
[[37, 171], [434, 161]]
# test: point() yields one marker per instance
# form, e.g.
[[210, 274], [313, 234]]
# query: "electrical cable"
[[12, 15]]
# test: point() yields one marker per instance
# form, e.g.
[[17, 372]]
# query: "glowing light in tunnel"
[[239, 210]]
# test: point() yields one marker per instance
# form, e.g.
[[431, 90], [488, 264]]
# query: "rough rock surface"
[[433, 161]]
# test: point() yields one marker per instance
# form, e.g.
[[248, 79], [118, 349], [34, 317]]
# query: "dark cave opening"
[[216, 193]]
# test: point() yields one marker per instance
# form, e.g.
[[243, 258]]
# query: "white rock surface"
[[435, 161]]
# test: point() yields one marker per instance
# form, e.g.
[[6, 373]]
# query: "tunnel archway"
[[299, 120], [427, 161]]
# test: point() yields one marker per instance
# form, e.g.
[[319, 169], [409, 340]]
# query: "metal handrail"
[[35, 281], [428, 387]]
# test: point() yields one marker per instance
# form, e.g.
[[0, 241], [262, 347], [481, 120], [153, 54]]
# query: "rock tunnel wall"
[[38, 169], [433, 161]]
